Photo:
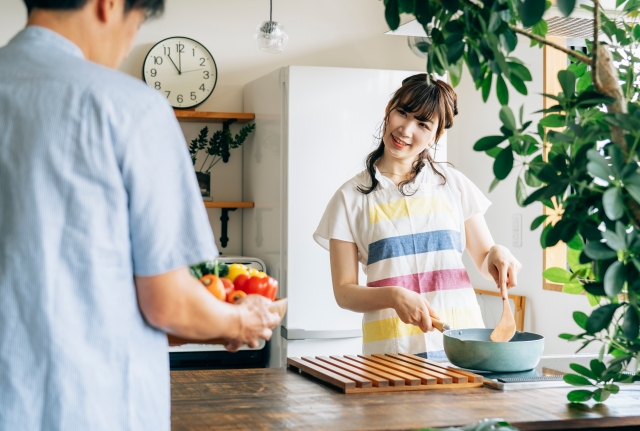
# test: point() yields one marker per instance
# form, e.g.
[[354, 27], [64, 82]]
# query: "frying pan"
[[471, 348]]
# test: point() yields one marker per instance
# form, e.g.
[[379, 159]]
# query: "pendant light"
[[270, 35]]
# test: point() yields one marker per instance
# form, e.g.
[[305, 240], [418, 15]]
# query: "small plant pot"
[[204, 181]]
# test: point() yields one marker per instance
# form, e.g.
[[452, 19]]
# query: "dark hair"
[[153, 8], [426, 98]]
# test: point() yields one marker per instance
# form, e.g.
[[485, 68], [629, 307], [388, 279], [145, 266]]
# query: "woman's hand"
[[503, 267], [413, 309]]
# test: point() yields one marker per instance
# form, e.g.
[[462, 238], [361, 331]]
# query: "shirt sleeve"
[[473, 201], [168, 223], [335, 222]]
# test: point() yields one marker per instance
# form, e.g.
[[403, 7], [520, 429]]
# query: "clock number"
[[153, 73], [193, 95], [201, 61], [194, 52], [167, 50], [202, 87], [179, 48], [206, 74], [179, 98], [168, 93], [157, 60], [157, 85]]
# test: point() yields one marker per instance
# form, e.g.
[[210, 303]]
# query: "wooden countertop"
[[278, 399]]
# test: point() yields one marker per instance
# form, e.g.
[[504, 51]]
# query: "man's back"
[[86, 154]]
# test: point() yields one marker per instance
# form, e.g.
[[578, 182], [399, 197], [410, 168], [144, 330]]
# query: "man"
[[100, 215]]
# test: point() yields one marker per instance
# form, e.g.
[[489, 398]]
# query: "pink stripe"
[[445, 279]]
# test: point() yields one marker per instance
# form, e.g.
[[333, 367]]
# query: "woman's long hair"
[[427, 99]]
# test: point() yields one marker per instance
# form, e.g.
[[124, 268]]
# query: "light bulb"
[[270, 37]]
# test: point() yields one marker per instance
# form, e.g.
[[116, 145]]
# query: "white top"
[[346, 217]]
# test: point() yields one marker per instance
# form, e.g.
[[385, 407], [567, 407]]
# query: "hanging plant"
[[585, 169], [218, 147]]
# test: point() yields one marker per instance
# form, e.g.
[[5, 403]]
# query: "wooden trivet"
[[384, 373]]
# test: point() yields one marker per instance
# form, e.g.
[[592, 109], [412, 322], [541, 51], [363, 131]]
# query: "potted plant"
[[585, 168], [218, 147]]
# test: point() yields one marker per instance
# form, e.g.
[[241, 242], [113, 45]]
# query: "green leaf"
[[567, 81], [598, 171], [593, 299], [493, 185], [508, 40], [598, 367], [613, 203], [614, 389], [502, 91], [631, 325], [422, 12], [518, 84], [521, 192], [553, 120], [576, 243], [566, 6], [451, 5], [531, 179], [503, 164], [455, 72], [566, 336], [576, 380], [486, 87], [455, 51], [406, 6], [521, 71], [614, 241], [600, 395], [507, 118], [538, 221], [573, 288], [488, 142], [557, 275], [531, 11], [581, 319], [583, 370], [493, 152], [579, 396], [601, 318], [633, 189], [392, 14]]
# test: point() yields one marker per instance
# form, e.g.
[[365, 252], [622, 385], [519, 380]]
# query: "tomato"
[[235, 295], [214, 285], [257, 285], [228, 285], [240, 282], [273, 288]]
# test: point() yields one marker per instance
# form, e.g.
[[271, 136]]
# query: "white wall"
[[548, 313], [347, 34]]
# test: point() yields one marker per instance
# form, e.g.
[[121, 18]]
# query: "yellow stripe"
[[410, 206], [387, 329]]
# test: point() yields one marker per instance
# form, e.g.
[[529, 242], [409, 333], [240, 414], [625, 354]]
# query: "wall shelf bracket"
[[224, 219]]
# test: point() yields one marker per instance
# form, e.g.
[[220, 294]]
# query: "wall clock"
[[182, 69]]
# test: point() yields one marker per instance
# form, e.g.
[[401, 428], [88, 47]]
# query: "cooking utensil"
[[506, 327], [473, 349]]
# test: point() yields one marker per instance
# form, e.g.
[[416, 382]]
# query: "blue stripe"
[[418, 243]]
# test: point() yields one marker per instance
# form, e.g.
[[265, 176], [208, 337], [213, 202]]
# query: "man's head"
[[103, 29]]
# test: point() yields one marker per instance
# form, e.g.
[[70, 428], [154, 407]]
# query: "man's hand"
[[256, 321]]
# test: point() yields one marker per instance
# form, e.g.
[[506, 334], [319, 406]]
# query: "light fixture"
[[270, 35]]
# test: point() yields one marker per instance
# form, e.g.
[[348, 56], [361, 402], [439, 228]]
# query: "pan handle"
[[439, 325]]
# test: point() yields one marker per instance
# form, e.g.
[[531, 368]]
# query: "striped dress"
[[415, 242]]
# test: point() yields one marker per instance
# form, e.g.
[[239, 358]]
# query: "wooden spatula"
[[506, 328]]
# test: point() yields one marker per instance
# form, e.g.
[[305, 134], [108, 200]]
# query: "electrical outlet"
[[516, 230]]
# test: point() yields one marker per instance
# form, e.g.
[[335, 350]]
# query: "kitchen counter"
[[256, 399]]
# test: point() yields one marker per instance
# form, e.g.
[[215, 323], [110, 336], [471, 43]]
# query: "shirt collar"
[[41, 35], [386, 182]]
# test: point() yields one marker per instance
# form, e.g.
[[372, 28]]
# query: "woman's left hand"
[[503, 267]]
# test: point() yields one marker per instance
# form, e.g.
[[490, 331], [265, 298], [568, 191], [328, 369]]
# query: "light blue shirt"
[[96, 185]]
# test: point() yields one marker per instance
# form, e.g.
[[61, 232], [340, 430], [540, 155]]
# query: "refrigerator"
[[314, 129]]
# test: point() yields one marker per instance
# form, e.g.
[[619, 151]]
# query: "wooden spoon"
[[506, 328]]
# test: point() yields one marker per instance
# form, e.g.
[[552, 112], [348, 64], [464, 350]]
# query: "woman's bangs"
[[421, 102]]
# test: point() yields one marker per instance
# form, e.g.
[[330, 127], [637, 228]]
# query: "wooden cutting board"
[[354, 374]]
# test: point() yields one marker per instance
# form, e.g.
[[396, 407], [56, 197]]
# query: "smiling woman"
[[408, 225]]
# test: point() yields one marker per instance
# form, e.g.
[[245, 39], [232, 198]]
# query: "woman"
[[407, 220]]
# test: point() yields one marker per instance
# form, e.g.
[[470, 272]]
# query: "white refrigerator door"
[[333, 117]]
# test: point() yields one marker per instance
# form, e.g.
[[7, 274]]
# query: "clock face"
[[182, 69]]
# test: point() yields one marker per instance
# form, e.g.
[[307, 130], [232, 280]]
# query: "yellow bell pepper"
[[235, 270]]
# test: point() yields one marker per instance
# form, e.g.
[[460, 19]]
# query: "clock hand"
[[179, 59], [174, 64], [194, 70]]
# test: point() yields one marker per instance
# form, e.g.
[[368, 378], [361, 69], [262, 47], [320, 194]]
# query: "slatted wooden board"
[[383, 373]]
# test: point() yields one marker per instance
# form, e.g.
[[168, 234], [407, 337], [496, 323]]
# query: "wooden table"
[[278, 399]]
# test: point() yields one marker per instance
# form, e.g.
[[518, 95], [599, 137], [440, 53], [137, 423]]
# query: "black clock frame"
[[215, 66]]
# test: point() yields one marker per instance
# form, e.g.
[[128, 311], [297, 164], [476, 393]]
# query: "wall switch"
[[516, 230]]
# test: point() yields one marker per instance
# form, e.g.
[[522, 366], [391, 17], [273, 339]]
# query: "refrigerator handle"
[[303, 334]]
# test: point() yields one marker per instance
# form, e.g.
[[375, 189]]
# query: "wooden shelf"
[[208, 204], [213, 117]]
